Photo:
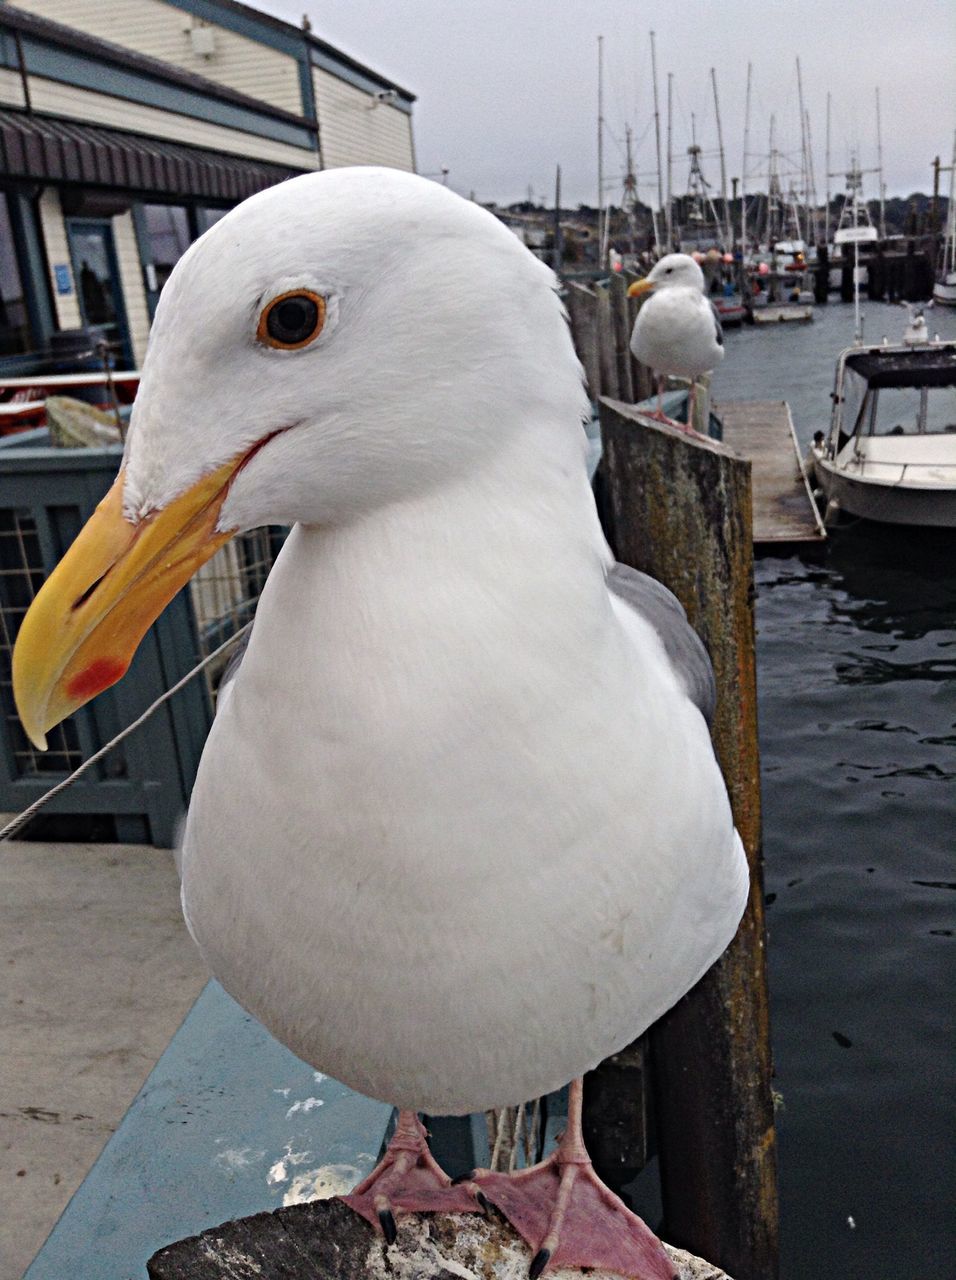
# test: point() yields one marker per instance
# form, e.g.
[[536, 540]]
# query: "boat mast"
[[826, 216], [879, 167], [723, 167], [949, 248], [657, 135], [670, 129], [773, 189], [743, 174], [812, 221], [804, 166], [600, 153]]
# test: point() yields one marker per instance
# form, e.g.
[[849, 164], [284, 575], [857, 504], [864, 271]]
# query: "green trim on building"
[[83, 71]]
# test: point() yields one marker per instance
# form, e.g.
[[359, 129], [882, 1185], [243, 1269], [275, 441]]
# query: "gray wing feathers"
[[235, 662], [683, 645]]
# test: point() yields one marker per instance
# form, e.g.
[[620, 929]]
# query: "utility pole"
[[657, 135]]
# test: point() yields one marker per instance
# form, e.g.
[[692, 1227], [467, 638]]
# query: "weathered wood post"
[[621, 332], [681, 511], [606, 344], [582, 313]]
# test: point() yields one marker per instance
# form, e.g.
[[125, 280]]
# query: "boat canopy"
[[881, 368]]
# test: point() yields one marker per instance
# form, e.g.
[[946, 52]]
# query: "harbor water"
[[857, 704]]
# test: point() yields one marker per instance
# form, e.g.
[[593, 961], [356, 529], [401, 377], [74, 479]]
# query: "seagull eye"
[[292, 320]]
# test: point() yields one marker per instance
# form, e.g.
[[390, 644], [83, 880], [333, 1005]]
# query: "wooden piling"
[[582, 314], [681, 511], [326, 1239]]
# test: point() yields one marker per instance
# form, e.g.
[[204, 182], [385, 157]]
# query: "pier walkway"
[[783, 508]]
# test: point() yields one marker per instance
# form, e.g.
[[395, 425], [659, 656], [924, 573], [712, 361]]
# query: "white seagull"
[[458, 832], [677, 330]]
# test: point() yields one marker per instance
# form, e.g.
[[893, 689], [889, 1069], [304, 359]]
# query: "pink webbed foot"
[[658, 415], [408, 1179], [570, 1218]]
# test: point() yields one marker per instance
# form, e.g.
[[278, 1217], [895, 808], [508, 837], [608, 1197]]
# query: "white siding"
[[131, 277], [163, 31], [11, 88], [97, 108], [57, 252], [355, 128]]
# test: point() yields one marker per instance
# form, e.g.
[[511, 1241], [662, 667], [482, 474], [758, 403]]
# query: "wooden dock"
[[783, 506]]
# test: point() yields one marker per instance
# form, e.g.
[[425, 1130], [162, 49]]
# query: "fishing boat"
[[23, 401], [890, 453]]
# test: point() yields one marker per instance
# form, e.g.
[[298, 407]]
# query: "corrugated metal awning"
[[58, 150]]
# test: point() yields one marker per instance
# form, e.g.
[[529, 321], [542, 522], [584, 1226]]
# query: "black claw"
[[538, 1263], [483, 1201], [386, 1220]]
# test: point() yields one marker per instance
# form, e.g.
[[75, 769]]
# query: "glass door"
[[98, 284]]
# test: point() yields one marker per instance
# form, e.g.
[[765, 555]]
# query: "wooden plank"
[[681, 509], [783, 510]]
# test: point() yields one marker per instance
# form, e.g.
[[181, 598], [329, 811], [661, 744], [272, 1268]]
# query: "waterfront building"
[[128, 127]]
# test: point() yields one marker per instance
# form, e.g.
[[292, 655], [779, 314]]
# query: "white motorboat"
[[890, 453]]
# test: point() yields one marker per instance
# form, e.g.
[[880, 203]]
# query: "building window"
[[167, 239], [207, 217], [15, 336]]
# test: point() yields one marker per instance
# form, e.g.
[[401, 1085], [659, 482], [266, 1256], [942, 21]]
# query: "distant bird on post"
[[677, 330]]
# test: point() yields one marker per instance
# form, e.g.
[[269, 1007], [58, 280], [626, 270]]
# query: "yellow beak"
[[640, 287], [84, 626]]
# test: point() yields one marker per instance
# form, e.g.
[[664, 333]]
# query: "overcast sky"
[[507, 90]]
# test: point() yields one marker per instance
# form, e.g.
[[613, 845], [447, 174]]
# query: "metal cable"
[[23, 818]]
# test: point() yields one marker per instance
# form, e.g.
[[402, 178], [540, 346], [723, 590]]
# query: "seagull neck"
[[521, 527]]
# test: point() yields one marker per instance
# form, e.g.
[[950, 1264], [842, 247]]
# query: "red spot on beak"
[[99, 675]]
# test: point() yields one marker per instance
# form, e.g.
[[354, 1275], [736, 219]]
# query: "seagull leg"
[[408, 1179], [658, 414], [569, 1217]]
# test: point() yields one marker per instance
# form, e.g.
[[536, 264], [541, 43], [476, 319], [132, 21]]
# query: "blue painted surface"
[[228, 1123]]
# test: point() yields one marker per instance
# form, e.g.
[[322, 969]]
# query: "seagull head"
[[673, 269], [342, 341]]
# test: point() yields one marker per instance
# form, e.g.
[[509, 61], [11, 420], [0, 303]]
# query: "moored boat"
[[890, 453]]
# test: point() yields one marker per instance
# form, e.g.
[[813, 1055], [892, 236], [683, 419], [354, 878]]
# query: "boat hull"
[[885, 503]]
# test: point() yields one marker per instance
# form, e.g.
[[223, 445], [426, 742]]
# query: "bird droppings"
[[238, 1157], [342, 1246], [323, 1183], [238, 1262], [305, 1106], [279, 1171]]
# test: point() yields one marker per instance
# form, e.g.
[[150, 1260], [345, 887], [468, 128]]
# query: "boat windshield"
[[899, 411]]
